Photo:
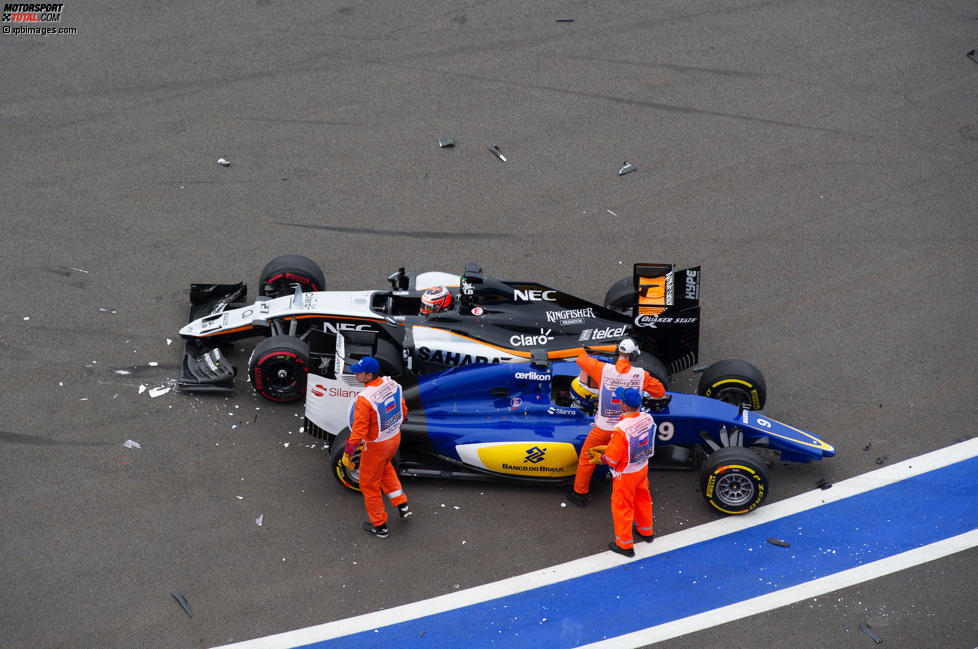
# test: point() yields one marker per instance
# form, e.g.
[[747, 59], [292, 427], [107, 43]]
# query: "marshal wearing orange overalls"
[[377, 416], [609, 378], [632, 444]]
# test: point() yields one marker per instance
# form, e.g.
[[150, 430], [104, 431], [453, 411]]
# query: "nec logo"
[[534, 455], [534, 295]]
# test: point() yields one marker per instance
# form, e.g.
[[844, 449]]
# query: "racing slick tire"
[[734, 480], [621, 296], [348, 479], [735, 382], [281, 273], [278, 368], [655, 367]]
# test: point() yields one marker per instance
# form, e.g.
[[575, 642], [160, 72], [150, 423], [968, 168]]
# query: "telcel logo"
[[601, 334]]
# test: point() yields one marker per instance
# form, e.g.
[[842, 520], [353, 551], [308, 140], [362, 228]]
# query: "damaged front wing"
[[204, 368]]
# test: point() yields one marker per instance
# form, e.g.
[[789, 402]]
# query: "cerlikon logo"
[[532, 376]]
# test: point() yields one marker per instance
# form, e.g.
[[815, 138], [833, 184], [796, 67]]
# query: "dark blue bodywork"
[[518, 402]]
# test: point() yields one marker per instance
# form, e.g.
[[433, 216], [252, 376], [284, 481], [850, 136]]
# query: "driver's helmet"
[[584, 391], [629, 348], [435, 300]]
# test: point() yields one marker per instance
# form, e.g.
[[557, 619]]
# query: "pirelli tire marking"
[[278, 368], [725, 385], [348, 479], [734, 480]]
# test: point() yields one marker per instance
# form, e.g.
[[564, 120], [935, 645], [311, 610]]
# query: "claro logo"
[[522, 340]]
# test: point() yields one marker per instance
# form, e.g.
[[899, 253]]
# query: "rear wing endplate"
[[667, 312]]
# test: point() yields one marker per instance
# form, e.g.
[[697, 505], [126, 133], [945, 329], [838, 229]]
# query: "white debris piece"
[[142, 388], [169, 342], [153, 364], [123, 372], [27, 317], [223, 162], [286, 444], [131, 444], [261, 517], [159, 392]]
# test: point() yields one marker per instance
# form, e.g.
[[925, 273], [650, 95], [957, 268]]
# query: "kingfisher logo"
[[534, 455]]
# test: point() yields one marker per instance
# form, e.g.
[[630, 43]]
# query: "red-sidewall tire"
[[278, 368], [281, 273]]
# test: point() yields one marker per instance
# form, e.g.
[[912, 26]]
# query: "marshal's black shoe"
[[578, 499], [404, 511], [647, 539], [630, 552], [380, 532]]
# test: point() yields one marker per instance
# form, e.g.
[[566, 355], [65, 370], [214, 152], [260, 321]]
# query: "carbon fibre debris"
[[182, 601], [865, 628]]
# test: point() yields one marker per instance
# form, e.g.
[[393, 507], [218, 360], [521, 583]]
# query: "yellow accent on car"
[[553, 459]]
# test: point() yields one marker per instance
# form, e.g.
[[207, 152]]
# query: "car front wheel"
[[734, 480], [278, 368], [347, 478]]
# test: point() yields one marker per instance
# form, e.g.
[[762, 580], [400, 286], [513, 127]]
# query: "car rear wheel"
[[281, 273], [621, 296], [655, 367], [735, 382], [347, 478], [734, 480], [278, 368]]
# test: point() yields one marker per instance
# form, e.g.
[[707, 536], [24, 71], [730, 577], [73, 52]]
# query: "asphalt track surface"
[[817, 159]]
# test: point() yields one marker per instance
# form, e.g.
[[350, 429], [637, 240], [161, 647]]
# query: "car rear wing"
[[666, 311]]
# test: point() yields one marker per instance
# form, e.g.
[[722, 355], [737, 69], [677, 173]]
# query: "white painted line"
[[587, 565], [791, 595]]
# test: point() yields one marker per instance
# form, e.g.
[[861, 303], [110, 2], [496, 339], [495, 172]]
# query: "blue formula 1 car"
[[526, 422]]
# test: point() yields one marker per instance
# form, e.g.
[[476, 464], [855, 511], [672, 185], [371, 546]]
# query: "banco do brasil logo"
[[534, 455]]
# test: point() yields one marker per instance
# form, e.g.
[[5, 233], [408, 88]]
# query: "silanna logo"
[[32, 13]]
